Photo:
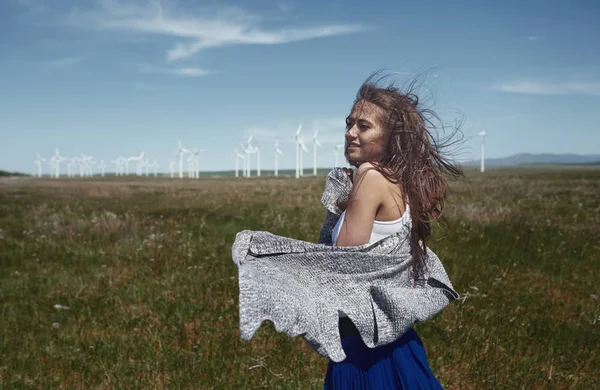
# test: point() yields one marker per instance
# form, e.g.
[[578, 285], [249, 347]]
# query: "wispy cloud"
[[154, 87], [540, 88], [231, 26], [286, 6], [184, 72], [533, 38], [65, 62], [34, 6]]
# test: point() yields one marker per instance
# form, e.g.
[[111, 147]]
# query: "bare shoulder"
[[368, 174], [381, 191]]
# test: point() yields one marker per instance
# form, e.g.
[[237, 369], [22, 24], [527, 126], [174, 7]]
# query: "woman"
[[399, 180]]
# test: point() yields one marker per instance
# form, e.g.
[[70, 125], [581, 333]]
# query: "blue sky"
[[108, 77]]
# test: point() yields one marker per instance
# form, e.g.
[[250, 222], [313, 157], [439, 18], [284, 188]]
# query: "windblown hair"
[[413, 158]]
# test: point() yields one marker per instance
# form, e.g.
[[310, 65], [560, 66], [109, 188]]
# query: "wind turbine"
[[303, 149], [87, 164], [257, 151], [239, 156], [154, 165], [297, 139], [195, 161], [56, 160], [118, 165], [278, 152], [193, 164], [248, 150], [172, 168], [336, 148], [38, 162], [102, 167], [315, 143], [71, 166], [482, 134], [182, 151]]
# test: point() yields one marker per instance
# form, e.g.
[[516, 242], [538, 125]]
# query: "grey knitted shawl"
[[302, 287]]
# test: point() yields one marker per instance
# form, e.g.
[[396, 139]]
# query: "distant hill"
[[6, 173], [542, 158]]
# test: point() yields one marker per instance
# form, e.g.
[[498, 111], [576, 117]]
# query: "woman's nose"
[[351, 132]]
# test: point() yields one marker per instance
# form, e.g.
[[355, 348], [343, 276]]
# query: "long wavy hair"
[[414, 158]]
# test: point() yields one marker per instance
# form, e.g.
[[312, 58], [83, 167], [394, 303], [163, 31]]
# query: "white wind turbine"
[[195, 162], [56, 159], [154, 165], [248, 150], [88, 163], [303, 150], [181, 152], [315, 143], [138, 160], [71, 166], [239, 156], [102, 166], [38, 162], [192, 161], [90, 167], [172, 168], [278, 152], [117, 163], [336, 153], [482, 134], [296, 140], [256, 150]]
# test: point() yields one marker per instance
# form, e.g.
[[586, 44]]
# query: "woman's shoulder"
[[391, 193], [372, 173]]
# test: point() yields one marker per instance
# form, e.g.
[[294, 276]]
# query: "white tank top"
[[381, 229]]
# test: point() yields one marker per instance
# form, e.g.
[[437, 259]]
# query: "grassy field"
[[125, 283]]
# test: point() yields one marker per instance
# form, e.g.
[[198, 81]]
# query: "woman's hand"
[[343, 203], [350, 174]]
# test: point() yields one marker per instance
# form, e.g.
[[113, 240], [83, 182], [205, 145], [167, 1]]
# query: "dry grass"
[[144, 268]]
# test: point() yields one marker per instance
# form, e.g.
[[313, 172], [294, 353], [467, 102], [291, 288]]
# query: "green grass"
[[144, 267]]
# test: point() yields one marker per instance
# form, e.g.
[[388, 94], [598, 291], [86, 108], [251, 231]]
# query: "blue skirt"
[[399, 365]]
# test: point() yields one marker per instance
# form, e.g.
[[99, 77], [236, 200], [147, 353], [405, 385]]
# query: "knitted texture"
[[301, 287]]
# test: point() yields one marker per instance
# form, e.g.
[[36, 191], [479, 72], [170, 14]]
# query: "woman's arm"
[[365, 200]]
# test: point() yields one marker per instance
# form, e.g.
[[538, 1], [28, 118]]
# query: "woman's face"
[[366, 139]]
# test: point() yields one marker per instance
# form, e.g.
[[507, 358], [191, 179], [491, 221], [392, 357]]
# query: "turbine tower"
[[239, 156], [302, 151], [249, 150], [38, 162], [278, 152], [256, 150], [482, 134], [172, 168], [315, 144], [181, 151], [102, 167], [336, 149], [296, 140], [55, 161]]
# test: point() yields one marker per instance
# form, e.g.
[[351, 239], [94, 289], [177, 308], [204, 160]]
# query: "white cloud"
[[540, 88], [185, 72], [533, 38], [65, 62], [154, 87], [231, 26], [286, 6]]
